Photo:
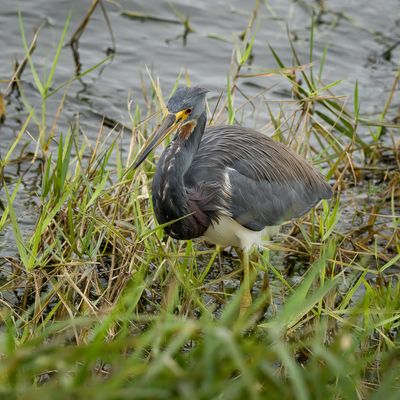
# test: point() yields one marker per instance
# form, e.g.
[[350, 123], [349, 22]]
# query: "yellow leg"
[[265, 287], [266, 276], [246, 298]]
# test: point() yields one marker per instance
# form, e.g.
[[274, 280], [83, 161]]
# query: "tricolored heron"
[[230, 185]]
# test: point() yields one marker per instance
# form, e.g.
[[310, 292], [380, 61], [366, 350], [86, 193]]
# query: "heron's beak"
[[168, 125]]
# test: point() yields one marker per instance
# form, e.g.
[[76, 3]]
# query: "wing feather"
[[261, 182]]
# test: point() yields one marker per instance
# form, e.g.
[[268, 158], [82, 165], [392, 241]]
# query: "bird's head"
[[187, 103], [184, 107]]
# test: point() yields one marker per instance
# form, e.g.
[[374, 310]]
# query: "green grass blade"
[[35, 75], [49, 81]]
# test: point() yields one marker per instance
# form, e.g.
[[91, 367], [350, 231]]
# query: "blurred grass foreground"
[[97, 303]]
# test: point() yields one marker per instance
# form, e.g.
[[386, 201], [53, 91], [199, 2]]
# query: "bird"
[[227, 184]]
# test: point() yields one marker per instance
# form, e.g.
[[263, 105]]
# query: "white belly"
[[227, 232]]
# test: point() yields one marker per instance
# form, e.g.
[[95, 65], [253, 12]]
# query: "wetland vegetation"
[[96, 302]]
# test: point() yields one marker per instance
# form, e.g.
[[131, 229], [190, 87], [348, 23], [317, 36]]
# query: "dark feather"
[[269, 182]]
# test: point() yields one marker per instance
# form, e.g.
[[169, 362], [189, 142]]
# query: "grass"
[[98, 303]]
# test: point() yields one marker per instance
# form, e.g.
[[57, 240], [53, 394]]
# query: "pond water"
[[362, 38], [358, 34]]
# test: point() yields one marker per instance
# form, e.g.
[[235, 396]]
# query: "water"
[[357, 33]]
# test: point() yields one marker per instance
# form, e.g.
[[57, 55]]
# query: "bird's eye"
[[188, 111]]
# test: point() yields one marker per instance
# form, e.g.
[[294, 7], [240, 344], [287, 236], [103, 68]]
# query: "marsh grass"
[[106, 307]]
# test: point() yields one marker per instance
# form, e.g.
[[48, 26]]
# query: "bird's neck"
[[169, 193]]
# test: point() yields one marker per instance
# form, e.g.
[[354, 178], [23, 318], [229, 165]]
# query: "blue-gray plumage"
[[228, 184]]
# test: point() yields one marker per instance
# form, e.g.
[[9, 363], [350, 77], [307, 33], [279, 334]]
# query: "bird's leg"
[[265, 256], [265, 286], [246, 297]]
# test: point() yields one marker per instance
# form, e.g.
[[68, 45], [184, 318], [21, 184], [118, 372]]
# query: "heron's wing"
[[259, 203], [261, 182]]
